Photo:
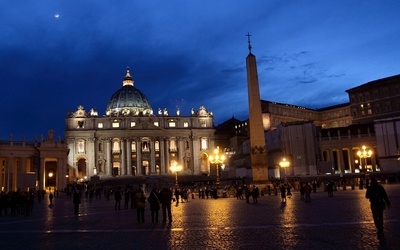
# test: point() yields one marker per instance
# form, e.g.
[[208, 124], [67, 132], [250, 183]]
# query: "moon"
[[57, 16]]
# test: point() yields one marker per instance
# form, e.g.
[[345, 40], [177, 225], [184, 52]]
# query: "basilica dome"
[[128, 100]]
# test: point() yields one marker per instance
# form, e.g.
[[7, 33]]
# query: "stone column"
[[167, 160], [162, 156], [139, 157], [42, 172], [108, 157], [152, 157], [129, 156], [123, 156]]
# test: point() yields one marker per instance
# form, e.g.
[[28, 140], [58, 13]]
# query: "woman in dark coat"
[[154, 205]]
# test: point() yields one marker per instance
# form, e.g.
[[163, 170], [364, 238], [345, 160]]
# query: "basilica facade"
[[133, 140]]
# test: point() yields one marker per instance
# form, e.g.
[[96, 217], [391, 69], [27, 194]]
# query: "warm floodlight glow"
[[176, 168]]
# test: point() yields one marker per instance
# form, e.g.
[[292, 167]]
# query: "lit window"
[[115, 124], [172, 124], [157, 145], [185, 124], [100, 125], [203, 123], [133, 146], [172, 145], [133, 124], [116, 147], [81, 147], [155, 124], [203, 143]]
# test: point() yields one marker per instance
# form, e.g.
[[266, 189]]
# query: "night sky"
[[56, 55]]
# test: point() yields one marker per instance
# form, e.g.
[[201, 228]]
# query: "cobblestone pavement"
[[341, 222]]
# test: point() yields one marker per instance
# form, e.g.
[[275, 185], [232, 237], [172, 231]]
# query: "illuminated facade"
[[132, 140], [328, 140], [38, 165]]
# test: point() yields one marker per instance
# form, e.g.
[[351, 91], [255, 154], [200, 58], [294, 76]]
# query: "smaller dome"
[[128, 100]]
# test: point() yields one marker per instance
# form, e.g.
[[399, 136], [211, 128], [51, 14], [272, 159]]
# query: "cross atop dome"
[[128, 80]]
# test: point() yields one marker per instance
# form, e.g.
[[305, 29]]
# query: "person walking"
[[379, 200], [307, 192], [301, 191], [154, 205], [76, 199], [140, 202], [51, 196], [283, 193], [165, 198], [177, 194]]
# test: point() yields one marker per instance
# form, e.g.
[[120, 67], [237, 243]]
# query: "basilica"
[[133, 140]]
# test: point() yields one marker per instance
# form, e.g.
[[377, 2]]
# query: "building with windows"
[[332, 140], [38, 165], [132, 140]]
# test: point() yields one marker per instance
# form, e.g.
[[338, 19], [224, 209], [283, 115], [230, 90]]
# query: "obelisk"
[[258, 153]]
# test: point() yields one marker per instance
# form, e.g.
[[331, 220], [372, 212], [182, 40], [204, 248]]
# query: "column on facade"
[[352, 160], [139, 157], [129, 156], [162, 156], [42, 173], [91, 159], [123, 156], [152, 157], [9, 173], [167, 160], [16, 163], [61, 179], [108, 157], [341, 165], [23, 165], [180, 148]]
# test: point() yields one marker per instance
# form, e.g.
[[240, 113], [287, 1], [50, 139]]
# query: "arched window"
[[204, 144], [172, 145], [81, 147], [116, 147], [133, 146]]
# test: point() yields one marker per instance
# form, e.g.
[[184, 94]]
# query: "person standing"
[[255, 193], [154, 205], [379, 200], [118, 198], [165, 198], [247, 193], [140, 202], [76, 199]]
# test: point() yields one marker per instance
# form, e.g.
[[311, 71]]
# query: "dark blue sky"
[[56, 55]]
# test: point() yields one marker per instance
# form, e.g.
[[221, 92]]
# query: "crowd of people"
[[22, 202]]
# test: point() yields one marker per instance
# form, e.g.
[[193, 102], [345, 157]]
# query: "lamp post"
[[284, 164], [175, 168], [217, 158], [364, 154]]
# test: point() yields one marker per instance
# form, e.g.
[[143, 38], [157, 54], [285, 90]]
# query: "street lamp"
[[364, 154], [284, 164], [175, 168], [217, 158]]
